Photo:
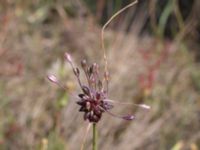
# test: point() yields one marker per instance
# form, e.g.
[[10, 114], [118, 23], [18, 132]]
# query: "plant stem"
[[94, 140]]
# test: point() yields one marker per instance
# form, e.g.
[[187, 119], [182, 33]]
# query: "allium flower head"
[[93, 99]]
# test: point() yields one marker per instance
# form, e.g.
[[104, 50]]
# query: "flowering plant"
[[93, 99]]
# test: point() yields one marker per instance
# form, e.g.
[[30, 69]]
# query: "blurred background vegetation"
[[153, 56]]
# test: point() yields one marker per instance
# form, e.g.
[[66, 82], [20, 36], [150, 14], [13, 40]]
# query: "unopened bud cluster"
[[93, 100]]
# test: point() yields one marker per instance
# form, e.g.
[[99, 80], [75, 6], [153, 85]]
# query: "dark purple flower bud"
[[81, 95], [76, 71], [94, 118], [97, 111], [85, 90], [128, 117], [81, 103], [86, 115], [82, 109], [90, 70]]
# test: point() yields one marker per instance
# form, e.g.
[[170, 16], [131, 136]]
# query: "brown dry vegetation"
[[34, 114]]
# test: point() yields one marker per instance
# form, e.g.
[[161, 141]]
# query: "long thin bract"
[[105, 25]]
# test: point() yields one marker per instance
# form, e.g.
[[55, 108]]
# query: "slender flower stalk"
[[94, 137]]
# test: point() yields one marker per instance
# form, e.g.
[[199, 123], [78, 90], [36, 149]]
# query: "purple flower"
[[93, 100]]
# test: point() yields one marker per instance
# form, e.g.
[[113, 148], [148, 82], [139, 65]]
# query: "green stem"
[[94, 140]]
